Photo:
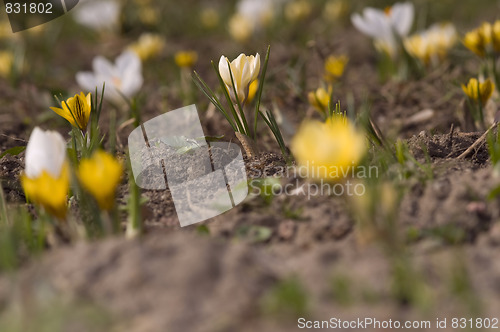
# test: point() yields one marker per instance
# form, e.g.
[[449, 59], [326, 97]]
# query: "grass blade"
[[259, 92]]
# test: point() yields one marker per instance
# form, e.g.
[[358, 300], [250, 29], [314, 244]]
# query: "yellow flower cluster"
[[328, 150], [484, 40], [479, 91], [46, 178], [432, 45]]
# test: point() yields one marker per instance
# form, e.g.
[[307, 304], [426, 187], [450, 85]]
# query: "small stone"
[[286, 230]]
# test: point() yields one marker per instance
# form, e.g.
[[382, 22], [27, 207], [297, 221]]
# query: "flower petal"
[[46, 151], [402, 18], [224, 70]]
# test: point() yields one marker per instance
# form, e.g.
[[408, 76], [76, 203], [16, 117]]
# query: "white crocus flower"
[[258, 12], [46, 151], [245, 69], [386, 26], [123, 78], [98, 14], [251, 16]]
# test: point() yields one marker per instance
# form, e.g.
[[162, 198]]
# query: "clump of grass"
[[341, 287], [287, 298]]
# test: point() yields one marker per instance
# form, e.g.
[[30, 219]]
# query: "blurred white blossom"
[[123, 78], [98, 14], [386, 26]]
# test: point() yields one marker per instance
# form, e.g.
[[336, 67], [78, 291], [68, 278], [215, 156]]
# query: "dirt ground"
[[261, 266]]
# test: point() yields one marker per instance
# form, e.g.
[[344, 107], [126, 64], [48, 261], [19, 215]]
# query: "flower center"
[[388, 11], [117, 82]]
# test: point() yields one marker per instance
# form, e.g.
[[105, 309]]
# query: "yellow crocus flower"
[[334, 67], [76, 108], [48, 191], [328, 150], [100, 176], [479, 91], [480, 40], [320, 99], [45, 179], [186, 59]]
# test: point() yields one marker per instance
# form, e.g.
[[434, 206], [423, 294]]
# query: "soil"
[[226, 274]]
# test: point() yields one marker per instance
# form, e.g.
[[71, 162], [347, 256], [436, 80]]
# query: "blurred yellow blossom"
[[432, 45], [320, 99], [142, 2], [484, 40], [6, 63], [479, 91], [240, 28], [328, 150], [46, 176], [100, 176], [297, 10], [6, 30], [76, 110], [148, 45], [335, 9], [186, 59], [209, 18], [149, 15], [334, 67]]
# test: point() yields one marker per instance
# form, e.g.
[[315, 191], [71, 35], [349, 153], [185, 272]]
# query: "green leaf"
[[255, 234], [13, 151], [259, 92], [203, 230]]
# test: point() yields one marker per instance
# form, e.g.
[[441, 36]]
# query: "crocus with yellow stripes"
[[76, 110], [100, 176], [479, 91], [328, 150], [244, 70], [46, 176]]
